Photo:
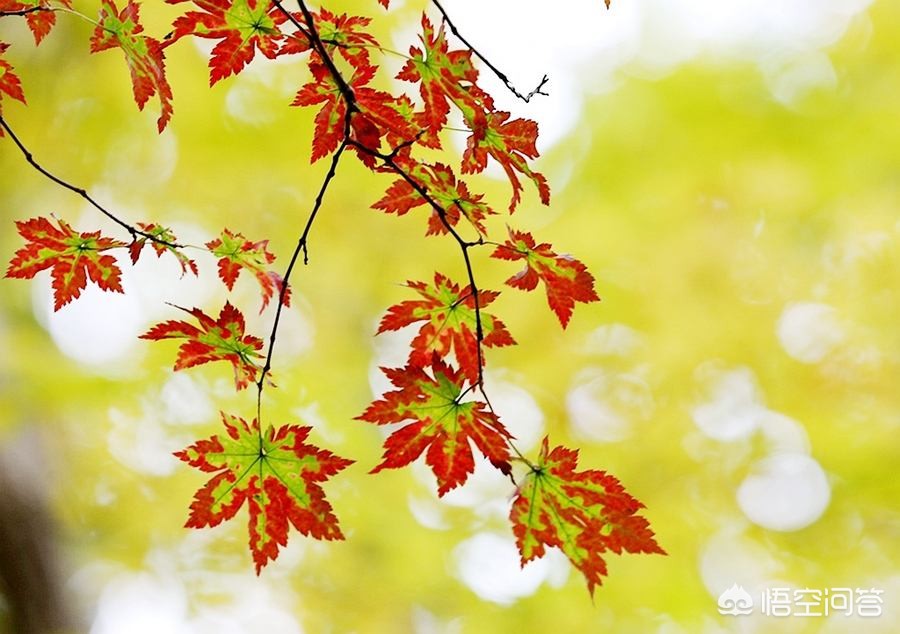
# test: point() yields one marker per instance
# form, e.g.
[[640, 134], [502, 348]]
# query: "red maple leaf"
[[330, 120], [10, 84], [237, 253], [443, 188], [221, 339], [276, 473], [583, 513], [243, 26], [40, 17], [566, 279], [376, 113], [445, 76], [340, 34], [450, 323], [144, 55], [165, 234], [440, 423], [72, 257], [510, 143]]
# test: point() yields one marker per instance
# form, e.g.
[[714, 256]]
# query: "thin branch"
[[301, 246], [538, 90], [3, 14], [132, 230], [315, 41]]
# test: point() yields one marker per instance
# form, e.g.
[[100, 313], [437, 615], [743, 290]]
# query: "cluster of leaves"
[[439, 402]]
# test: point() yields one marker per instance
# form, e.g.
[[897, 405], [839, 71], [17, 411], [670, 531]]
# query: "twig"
[[4, 14], [301, 246], [132, 230], [538, 90]]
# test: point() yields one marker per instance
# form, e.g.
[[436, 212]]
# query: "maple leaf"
[[10, 84], [165, 234], [143, 54], [329, 121], [376, 113], [443, 188], [440, 423], [221, 339], [450, 322], [340, 34], [276, 473], [40, 17], [583, 513], [243, 26], [237, 253], [566, 279], [72, 257], [445, 76], [510, 143]]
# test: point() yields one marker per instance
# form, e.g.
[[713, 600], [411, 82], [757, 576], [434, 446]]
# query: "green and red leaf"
[[165, 235], [221, 339], [510, 143], [330, 120], [376, 113], [439, 422], [450, 324], [236, 253], [143, 54], [72, 258], [339, 33], [10, 84], [443, 188], [566, 279], [242, 26], [275, 472], [445, 77], [583, 513]]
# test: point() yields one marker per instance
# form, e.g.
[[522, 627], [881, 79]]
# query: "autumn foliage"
[[439, 403]]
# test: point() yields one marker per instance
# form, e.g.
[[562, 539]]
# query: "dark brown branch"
[[538, 90], [315, 41], [301, 246], [132, 230], [3, 14]]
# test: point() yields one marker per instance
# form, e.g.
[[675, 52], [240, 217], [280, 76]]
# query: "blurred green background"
[[741, 375]]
